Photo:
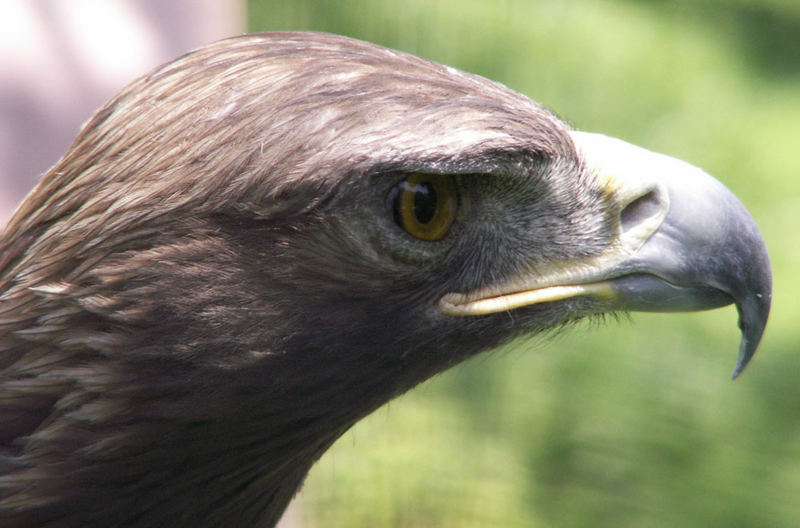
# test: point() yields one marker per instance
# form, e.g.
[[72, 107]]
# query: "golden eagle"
[[252, 247]]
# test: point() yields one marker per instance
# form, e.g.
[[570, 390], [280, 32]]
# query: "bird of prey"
[[252, 247]]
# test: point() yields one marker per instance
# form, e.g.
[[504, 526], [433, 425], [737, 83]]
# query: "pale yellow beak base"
[[459, 304]]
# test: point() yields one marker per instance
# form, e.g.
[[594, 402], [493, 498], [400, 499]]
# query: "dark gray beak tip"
[[747, 350], [753, 314], [753, 301]]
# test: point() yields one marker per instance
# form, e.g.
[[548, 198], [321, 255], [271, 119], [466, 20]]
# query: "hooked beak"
[[684, 243]]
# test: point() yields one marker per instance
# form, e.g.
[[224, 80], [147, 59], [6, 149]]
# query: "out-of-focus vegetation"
[[628, 424]]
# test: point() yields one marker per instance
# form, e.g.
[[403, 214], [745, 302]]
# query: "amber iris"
[[425, 205]]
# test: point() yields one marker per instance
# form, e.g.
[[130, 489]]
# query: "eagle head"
[[252, 247]]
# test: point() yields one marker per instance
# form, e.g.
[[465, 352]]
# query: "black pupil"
[[424, 203]]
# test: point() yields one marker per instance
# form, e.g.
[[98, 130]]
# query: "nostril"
[[639, 210]]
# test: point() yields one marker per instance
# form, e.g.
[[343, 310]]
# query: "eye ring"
[[425, 205]]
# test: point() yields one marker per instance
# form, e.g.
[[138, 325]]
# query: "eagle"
[[252, 247]]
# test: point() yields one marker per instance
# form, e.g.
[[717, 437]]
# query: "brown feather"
[[198, 298]]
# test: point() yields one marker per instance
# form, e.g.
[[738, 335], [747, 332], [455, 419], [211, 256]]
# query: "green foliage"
[[626, 424]]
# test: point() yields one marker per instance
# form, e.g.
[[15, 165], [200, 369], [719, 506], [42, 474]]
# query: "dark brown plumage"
[[214, 283]]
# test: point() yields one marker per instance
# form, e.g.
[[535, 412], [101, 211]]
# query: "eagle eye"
[[425, 205]]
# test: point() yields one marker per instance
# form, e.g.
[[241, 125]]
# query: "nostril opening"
[[639, 210]]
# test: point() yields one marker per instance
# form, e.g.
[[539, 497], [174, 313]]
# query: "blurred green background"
[[633, 423]]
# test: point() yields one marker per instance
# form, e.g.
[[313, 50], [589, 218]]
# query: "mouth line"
[[464, 304]]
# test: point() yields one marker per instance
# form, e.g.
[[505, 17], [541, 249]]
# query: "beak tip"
[[745, 354], [738, 369], [752, 322]]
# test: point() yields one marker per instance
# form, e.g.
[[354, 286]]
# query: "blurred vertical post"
[[61, 59]]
